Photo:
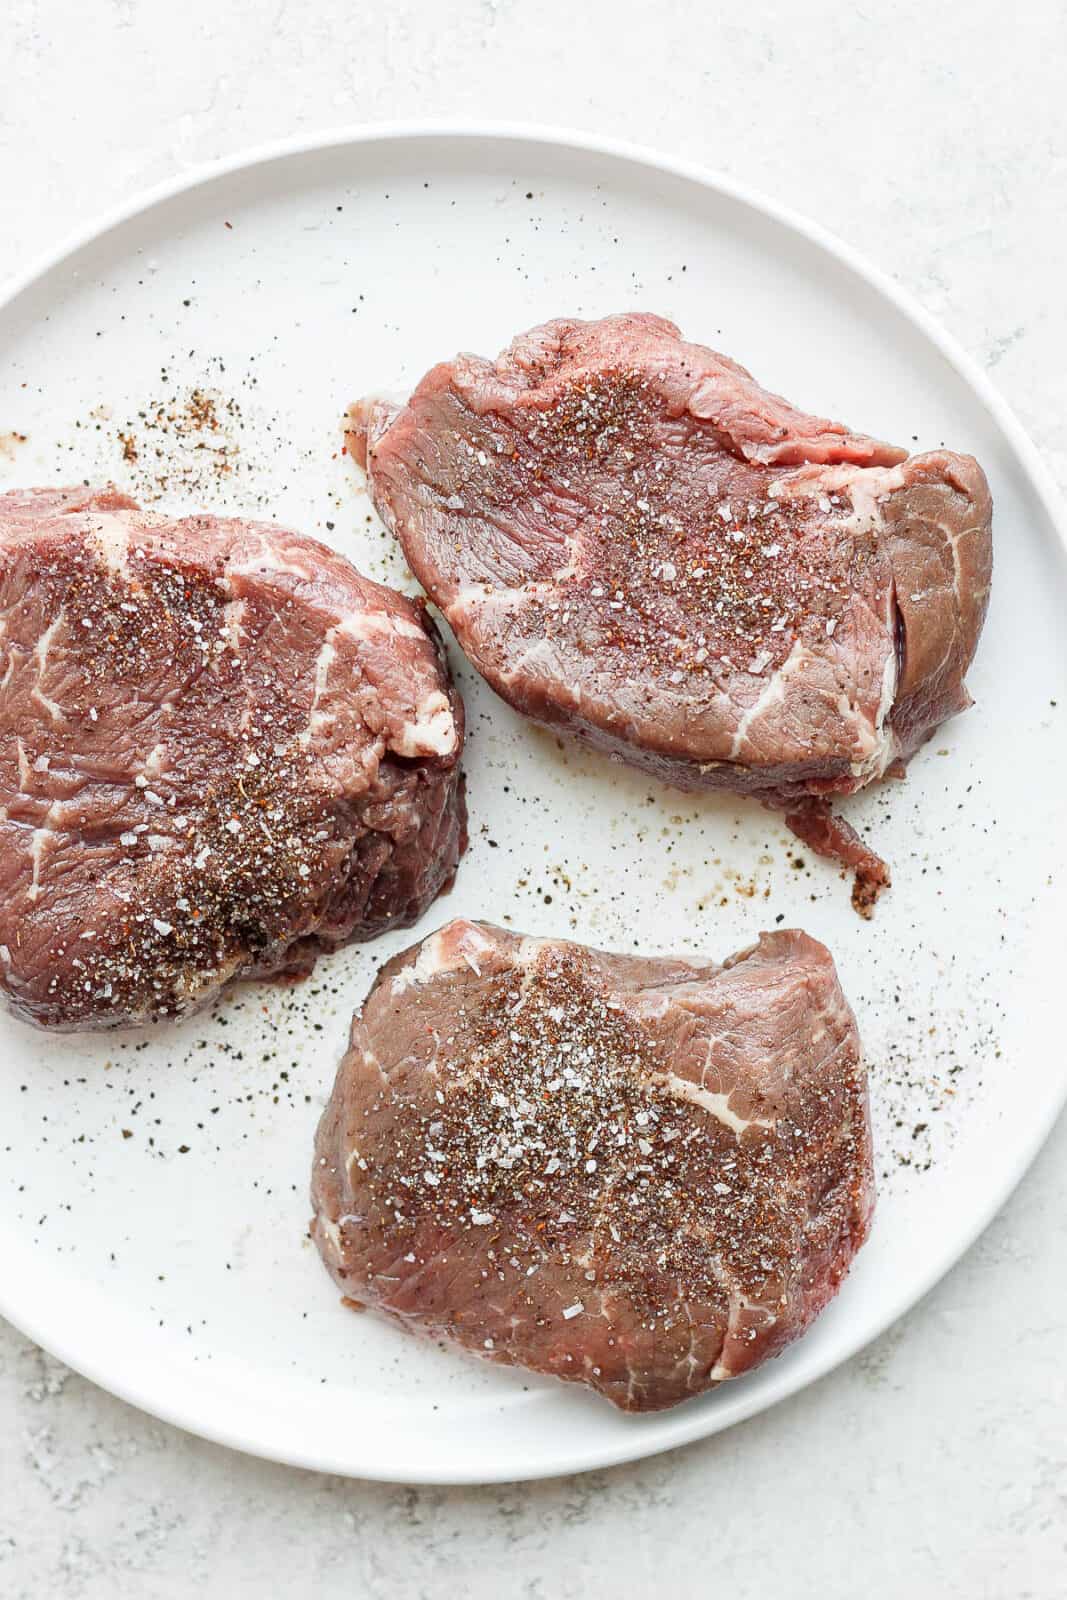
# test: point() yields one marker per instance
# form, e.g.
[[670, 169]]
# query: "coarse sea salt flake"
[[482, 1219], [573, 1311], [162, 927]]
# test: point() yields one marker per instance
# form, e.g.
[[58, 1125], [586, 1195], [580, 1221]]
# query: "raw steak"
[[222, 751], [642, 1175], [635, 542]]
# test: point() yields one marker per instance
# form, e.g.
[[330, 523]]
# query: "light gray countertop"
[[933, 138]]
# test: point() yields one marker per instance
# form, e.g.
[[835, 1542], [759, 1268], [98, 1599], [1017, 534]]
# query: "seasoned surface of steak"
[[222, 751], [642, 1175], [633, 541]]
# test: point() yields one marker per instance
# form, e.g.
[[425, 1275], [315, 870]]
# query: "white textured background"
[[932, 134]]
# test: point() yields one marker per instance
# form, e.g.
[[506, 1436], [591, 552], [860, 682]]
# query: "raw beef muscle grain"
[[644, 1175], [634, 542], [222, 752]]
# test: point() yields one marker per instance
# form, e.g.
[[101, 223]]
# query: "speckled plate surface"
[[200, 350]]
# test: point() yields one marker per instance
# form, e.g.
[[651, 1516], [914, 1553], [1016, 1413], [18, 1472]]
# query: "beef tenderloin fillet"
[[635, 542], [222, 752], [643, 1175]]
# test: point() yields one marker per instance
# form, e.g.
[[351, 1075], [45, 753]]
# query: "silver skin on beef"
[[644, 1175], [222, 752], [634, 542]]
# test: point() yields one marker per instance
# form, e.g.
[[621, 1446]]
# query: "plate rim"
[[688, 1424]]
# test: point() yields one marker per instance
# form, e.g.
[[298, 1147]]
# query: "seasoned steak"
[[642, 1175], [222, 752], [635, 542]]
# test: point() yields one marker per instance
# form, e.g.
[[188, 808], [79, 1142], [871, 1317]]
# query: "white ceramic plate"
[[153, 1187]]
